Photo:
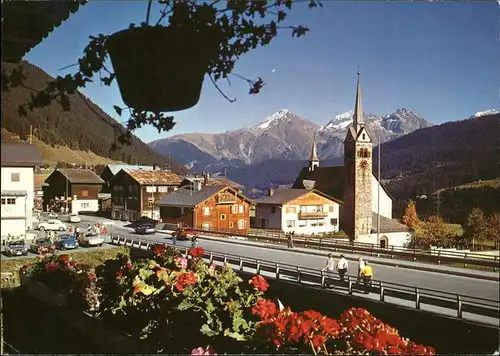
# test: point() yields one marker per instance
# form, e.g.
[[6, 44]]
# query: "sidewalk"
[[478, 274]]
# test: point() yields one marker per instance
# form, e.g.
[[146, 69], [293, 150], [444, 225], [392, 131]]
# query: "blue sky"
[[440, 59]]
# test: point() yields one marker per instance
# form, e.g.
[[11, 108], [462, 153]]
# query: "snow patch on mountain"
[[484, 113], [276, 117]]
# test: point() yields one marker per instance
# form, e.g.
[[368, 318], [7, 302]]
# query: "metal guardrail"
[[454, 304], [329, 244]]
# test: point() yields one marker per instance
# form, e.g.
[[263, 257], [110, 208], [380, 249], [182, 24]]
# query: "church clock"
[[363, 164]]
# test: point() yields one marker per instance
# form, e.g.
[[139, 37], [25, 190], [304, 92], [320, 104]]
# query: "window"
[[85, 193], [151, 202], [291, 210], [223, 216], [85, 205], [290, 223], [364, 137], [206, 226], [206, 210], [331, 208], [8, 201], [15, 177], [333, 222], [163, 189], [234, 209], [241, 224], [273, 210], [231, 225], [302, 223], [241, 209]]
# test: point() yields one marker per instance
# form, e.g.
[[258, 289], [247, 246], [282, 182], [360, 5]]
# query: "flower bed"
[[179, 304]]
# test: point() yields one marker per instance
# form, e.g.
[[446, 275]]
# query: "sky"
[[440, 59]]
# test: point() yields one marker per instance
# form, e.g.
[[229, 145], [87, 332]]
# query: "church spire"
[[314, 161], [358, 108]]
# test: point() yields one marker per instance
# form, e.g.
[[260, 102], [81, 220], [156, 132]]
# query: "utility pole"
[[379, 179], [67, 196], [31, 134]]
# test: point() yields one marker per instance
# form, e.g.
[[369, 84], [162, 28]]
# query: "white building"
[[18, 164], [305, 211]]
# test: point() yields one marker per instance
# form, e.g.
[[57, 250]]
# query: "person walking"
[[290, 239], [77, 232], [330, 269], [342, 267], [361, 265], [367, 275]]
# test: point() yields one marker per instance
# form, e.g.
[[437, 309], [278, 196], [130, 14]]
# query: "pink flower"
[[201, 351], [181, 262]]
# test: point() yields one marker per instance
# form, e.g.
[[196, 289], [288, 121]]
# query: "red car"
[[184, 234]]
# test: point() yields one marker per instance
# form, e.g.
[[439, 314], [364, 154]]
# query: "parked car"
[[184, 234], [52, 225], [74, 218], [53, 215], [66, 242], [42, 246], [16, 248], [145, 228], [90, 239]]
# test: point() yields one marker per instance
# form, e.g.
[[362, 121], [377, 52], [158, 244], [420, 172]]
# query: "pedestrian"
[[342, 267], [361, 264], [77, 232], [330, 269], [367, 275], [290, 240], [194, 239]]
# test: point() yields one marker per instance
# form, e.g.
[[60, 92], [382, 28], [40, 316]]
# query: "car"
[[16, 248], [66, 242], [90, 239], [53, 216], [145, 228], [184, 234], [52, 225], [74, 218], [41, 246]]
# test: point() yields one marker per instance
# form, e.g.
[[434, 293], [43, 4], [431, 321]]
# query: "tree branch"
[[220, 90]]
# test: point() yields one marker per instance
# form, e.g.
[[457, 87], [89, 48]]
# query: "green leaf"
[[184, 305], [206, 330], [238, 323], [209, 306], [237, 336]]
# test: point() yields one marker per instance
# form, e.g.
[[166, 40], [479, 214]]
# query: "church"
[[356, 185]]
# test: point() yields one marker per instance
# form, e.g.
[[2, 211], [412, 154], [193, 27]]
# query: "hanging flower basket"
[[161, 68]]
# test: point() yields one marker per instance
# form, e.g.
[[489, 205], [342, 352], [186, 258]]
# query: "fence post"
[[392, 250], [417, 299], [241, 264], [494, 263], [349, 285], [322, 279], [414, 253], [382, 294], [277, 271], [257, 267], [211, 258], [439, 257], [225, 258], [299, 276], [459, 307], [320, 242], [372, 249], [465, 260]]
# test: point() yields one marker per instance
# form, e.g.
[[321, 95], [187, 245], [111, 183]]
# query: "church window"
[[364, 137]]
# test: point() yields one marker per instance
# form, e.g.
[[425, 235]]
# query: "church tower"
[[356, 216], [313, 161]]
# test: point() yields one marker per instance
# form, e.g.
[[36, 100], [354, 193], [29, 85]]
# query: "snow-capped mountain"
[[484, 113], [282, 135]]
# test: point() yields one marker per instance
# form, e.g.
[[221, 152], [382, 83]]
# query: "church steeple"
[[358, 108], [313, 161]]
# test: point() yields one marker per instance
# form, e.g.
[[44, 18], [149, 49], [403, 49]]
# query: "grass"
[[10, 268]]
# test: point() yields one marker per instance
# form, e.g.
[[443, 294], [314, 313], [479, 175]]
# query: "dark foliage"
[[84, 127]]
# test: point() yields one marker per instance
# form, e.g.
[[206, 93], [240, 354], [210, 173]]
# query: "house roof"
[[39, 180], [26, 23], [329, 180], [20, 155], [80, 176], [388, 225], [186, 197], [115, 168], [14, 193], [224, 181], [153, 177], [282, 196]]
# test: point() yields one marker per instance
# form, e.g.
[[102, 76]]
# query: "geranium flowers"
[[259, 283]]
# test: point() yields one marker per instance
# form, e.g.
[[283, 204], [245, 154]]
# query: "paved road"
[[422, 279]]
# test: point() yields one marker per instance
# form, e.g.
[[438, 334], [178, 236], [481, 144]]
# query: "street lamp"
[[378, 191]]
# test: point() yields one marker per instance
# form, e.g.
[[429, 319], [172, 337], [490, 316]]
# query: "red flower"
[[63, 258], [196, 252], [91, 277], [51, 267], [185, 279], [119, 274], [159, 249], [259, 283], [318, 341], [264, 309]]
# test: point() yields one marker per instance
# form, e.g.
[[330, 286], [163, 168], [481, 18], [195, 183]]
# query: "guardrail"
[[329, 244], [454, 305]]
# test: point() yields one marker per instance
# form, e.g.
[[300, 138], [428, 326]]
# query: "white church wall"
[[385, 200], [396, 239]]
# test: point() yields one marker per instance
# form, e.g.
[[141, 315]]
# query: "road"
[[422, 279]]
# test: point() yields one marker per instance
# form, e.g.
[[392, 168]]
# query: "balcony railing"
[[312, 215]]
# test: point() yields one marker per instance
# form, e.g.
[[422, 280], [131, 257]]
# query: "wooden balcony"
[[315, 215]]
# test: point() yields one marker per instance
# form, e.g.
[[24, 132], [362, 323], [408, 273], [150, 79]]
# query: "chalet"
[[305, 211], [207, 180], [134, 192], [207, 207], [72, 190], [18, 163], [112, 169], [39, 184]]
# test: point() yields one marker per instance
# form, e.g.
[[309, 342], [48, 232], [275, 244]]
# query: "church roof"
[[314, 154], [388, 225], [358, 106], [329, 180], [283, 196]]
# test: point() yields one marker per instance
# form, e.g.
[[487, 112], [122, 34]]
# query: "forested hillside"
[[84, 127]]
